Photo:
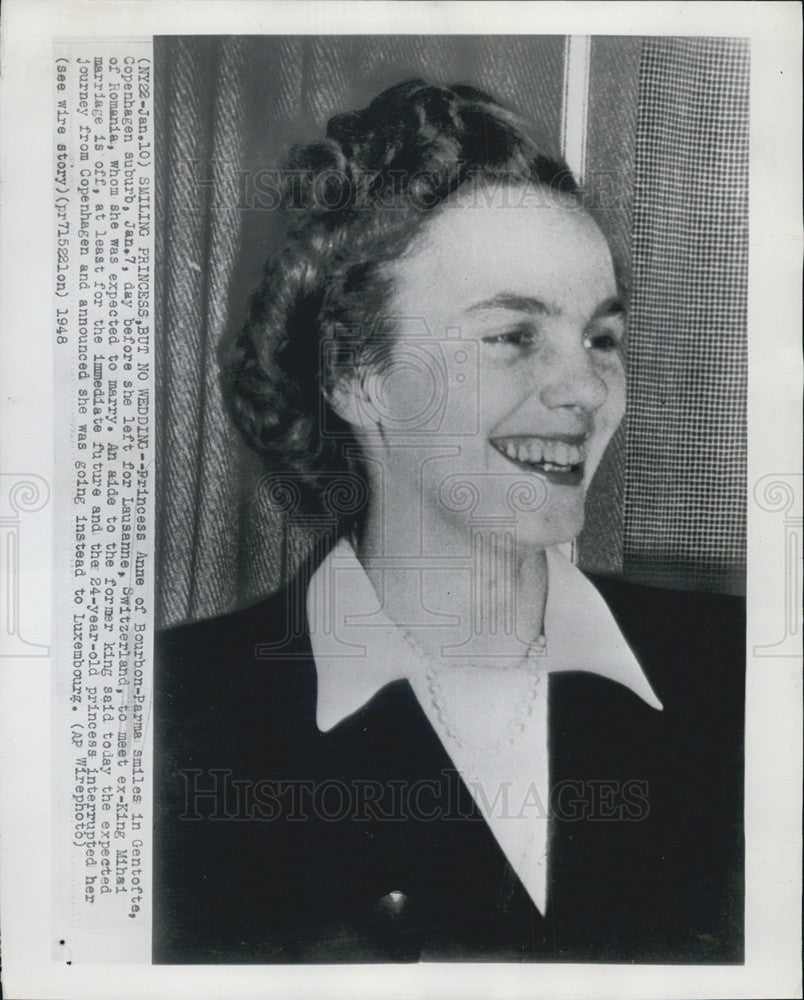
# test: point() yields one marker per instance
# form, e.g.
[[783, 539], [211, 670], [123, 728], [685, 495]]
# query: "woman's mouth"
[[559, 459]]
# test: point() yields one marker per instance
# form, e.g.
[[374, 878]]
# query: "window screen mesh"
[[686, 454]]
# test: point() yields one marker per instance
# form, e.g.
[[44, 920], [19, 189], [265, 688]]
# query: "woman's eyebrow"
[[515, 303], [613, 306]]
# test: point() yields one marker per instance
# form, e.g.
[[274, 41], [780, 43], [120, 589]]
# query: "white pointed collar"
[[358, 650]]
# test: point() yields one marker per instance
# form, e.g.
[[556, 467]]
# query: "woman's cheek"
[[406, 394], [614, 377]]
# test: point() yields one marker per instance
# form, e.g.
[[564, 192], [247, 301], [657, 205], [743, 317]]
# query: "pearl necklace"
[[523, 709]]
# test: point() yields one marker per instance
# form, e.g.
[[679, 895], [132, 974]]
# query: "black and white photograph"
[[416, 502], [492, 708]]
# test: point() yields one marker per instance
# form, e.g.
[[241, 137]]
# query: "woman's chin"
[[543, 532]]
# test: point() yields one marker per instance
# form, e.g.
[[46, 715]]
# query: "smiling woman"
[[441, 740], [528, 282]]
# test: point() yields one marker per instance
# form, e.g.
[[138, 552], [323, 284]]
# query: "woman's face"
[[506, 377]]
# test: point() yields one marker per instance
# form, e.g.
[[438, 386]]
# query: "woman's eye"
[[521, 336], [603, 341]]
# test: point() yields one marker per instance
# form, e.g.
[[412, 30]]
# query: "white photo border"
[[774, 724]]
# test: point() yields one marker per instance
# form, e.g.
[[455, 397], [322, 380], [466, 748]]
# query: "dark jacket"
[[277, 843]]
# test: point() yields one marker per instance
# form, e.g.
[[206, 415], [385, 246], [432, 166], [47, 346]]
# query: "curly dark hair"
[[353, 202]]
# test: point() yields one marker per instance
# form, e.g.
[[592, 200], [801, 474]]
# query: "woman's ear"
[[352, 398]]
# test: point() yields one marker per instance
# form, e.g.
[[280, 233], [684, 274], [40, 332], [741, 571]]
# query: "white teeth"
[[535, 450], [561, 453], [542, 451]]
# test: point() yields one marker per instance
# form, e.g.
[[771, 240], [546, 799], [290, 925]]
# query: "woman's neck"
[[471, 591]]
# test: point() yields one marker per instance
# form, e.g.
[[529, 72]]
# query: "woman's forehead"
[[542, 248]]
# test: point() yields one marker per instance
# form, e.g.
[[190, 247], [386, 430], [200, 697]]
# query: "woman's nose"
[[572, 380]]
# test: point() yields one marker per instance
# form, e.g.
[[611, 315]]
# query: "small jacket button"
[[393, 902]]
